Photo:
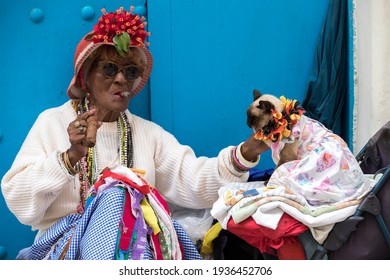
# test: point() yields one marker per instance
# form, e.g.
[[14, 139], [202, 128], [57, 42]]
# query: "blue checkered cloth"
[[94, 234]]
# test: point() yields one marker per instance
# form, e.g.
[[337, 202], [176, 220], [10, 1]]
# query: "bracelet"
[[244, 161], [62, 164], [67, 164], [236, 163]]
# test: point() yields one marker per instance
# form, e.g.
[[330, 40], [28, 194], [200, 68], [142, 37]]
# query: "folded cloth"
[[265, 239]]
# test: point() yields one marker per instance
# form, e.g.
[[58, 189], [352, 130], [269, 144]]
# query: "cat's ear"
[[265, 106], [256, 94]]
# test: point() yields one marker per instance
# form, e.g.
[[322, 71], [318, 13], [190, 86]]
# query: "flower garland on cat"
[[281, 125]]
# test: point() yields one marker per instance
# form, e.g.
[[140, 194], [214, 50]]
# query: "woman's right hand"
[[77, 131]]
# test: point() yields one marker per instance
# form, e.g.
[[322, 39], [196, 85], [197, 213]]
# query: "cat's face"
[[259, 113]]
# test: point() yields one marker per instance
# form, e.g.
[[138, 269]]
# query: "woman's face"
[[111, 75]]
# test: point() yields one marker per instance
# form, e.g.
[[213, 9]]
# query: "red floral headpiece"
[[281, 125], [122, 28]]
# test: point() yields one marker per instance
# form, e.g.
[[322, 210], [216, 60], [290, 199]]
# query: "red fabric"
[[128, 218], [127, 224], [157, 247], [291, 251], [144, 189], [80, 48], [161, 200], [265, 239]]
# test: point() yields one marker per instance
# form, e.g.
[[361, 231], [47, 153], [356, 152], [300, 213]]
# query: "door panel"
[[210, 55], [37, 66]]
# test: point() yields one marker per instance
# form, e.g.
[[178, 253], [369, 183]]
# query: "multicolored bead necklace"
[[88, 166]]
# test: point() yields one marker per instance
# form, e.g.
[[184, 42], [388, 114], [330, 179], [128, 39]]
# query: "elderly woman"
[[94, 179]]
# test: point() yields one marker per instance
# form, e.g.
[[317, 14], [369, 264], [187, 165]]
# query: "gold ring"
[[82, 129], [77, 124]]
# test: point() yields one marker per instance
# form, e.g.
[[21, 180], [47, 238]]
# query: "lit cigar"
[[125, 94]]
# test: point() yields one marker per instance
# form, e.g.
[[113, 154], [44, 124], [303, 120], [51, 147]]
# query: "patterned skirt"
[[107, 231]]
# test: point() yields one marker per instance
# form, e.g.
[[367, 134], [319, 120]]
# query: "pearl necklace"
[[88, 166]]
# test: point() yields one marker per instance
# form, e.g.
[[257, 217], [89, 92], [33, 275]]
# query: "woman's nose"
[[120, 77]]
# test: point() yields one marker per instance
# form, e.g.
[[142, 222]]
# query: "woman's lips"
[[124, 94]]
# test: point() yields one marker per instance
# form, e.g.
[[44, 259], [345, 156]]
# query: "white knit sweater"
[[39, 192]]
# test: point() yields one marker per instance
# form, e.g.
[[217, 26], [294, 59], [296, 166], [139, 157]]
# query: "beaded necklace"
[[89, 171]]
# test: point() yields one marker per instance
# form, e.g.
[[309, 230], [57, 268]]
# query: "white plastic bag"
[[196, 222]]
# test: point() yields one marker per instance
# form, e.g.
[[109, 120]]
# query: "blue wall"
[[37, 66], [209, 55]]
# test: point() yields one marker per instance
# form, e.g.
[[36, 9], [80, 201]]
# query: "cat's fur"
[[259, 114]]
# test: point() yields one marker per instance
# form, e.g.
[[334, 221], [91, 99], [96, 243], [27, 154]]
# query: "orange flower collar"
[[281, 125]]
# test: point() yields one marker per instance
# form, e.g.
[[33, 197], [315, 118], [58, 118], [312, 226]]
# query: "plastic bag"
[[196, 222]]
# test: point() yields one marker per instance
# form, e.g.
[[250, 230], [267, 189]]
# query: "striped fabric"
[[93, 235]]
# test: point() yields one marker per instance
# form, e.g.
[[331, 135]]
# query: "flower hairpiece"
[[282, 123], [122, 28]]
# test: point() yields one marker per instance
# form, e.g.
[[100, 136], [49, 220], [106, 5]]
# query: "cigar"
[[125, 94], [91, 131]]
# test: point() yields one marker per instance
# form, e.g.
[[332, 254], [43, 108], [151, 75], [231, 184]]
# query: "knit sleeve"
[[190, 181], [36, 177]]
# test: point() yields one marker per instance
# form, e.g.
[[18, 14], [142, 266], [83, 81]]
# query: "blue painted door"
[[208, 57], [37, 65], [211, 54]]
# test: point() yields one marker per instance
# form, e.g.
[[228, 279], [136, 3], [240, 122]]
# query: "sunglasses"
[[110, 69]]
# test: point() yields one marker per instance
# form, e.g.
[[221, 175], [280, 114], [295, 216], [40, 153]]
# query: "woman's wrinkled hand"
[[77, 131]]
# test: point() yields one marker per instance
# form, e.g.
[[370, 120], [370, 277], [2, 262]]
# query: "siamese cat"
[[261, 119]]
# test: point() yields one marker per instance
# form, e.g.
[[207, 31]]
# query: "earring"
[[86, 100]]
